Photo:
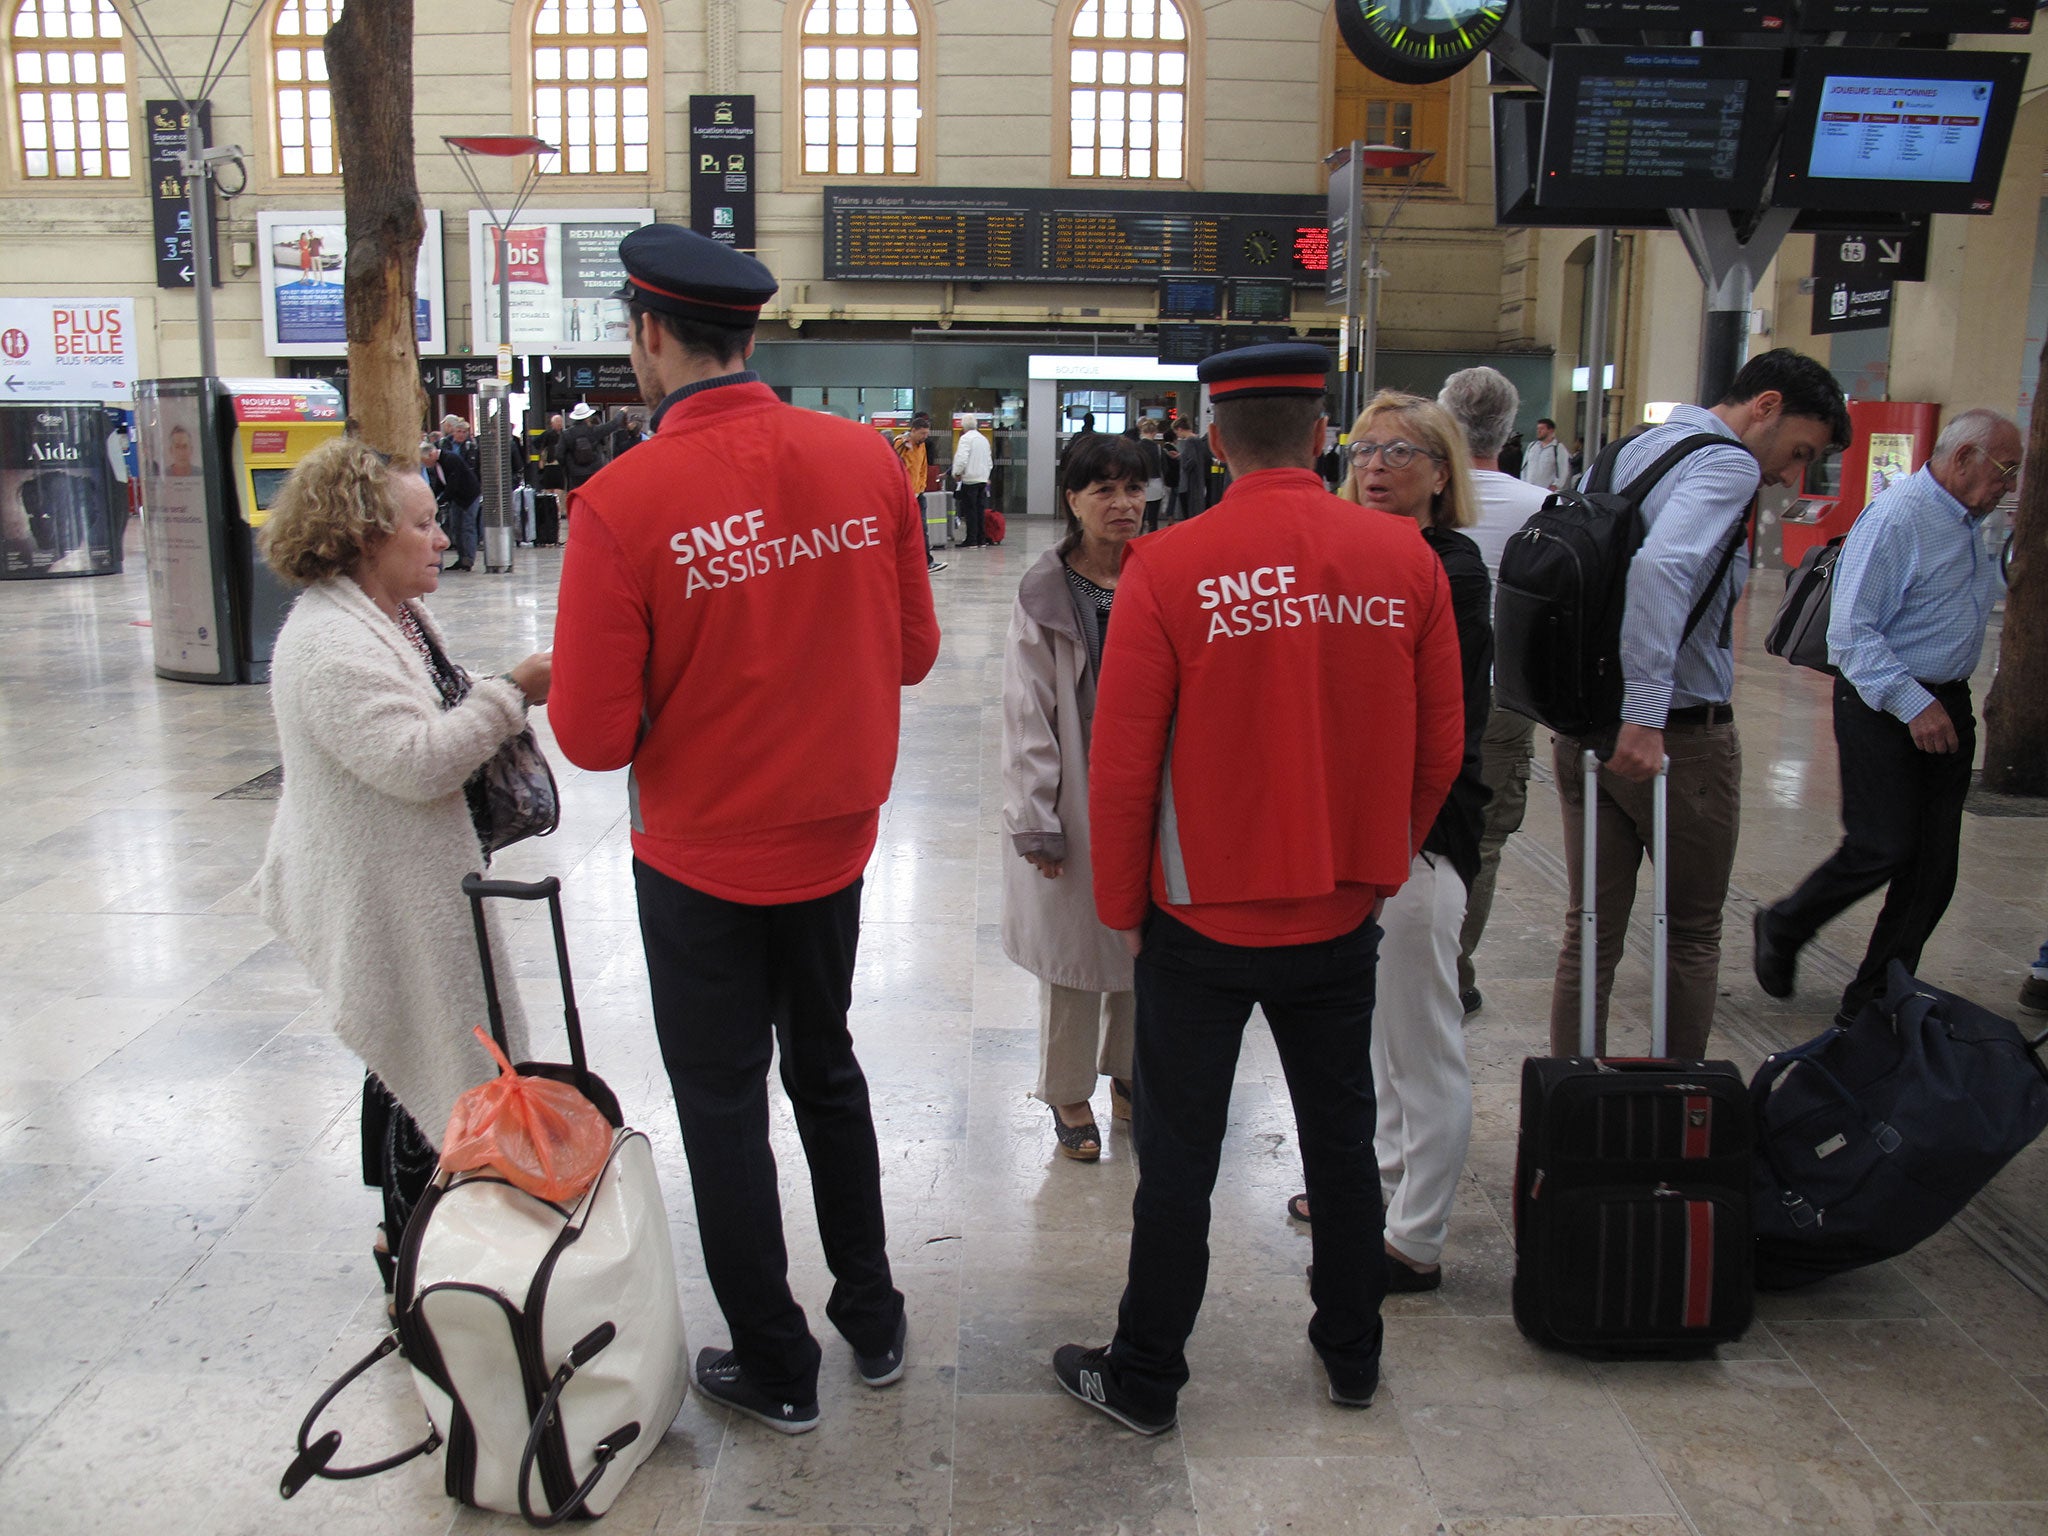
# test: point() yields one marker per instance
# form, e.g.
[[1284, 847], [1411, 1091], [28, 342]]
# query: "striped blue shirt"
[[1912, 593]]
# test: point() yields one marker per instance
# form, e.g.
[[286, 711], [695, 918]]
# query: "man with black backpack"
[[582, 445], [1677, 672]]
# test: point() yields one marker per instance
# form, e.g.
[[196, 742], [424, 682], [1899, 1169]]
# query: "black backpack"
[[583, 449], [1563, 585]]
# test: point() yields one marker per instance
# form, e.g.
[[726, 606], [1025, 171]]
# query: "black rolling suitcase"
[[1632, 1177], [547, 518]]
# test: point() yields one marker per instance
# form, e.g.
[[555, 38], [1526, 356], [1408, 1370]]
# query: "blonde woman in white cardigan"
[[363, 873]]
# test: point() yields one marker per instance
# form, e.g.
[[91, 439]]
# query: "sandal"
[[1119, 1098], [1297, 1208], [1083, 1143]]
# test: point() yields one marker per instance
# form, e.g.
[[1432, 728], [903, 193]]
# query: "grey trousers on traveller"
[[1504, 753]]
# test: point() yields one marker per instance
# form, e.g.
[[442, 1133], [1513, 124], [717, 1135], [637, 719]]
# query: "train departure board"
[[1029, 235], [1190, 298], [1261, 299], [1677, 15]]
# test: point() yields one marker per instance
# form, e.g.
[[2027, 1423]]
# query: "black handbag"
[[513, 795], [1870, 1137], [1799, 633]]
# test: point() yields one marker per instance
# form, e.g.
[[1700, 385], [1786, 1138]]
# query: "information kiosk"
[[213, 455]]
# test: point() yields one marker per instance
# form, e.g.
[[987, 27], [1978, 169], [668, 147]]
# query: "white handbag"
[[546, 1342]]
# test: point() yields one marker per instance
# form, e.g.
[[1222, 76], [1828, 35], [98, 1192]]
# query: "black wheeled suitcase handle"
[[476, 888], [1660, 909]]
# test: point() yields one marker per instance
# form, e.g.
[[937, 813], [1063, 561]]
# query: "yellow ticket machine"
[[268, 426]]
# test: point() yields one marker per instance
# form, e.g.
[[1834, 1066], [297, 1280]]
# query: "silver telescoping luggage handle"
[[1660, 916]]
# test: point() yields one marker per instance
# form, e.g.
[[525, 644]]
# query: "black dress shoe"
[[1775, 965], [1405, 1278]]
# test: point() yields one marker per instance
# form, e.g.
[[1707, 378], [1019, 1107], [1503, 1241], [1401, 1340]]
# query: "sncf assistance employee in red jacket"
[[1280, 716], [743, 600]]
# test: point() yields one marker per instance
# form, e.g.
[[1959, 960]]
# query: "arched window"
[[302, 106], [591, 67], [70, 90], [1127, 90], [862, 63]]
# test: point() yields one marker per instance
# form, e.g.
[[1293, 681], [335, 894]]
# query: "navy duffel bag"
[[1869, 1138]]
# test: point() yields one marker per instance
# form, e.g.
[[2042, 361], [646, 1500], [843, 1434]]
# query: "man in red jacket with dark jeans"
[[742, 604], [1280, 716]]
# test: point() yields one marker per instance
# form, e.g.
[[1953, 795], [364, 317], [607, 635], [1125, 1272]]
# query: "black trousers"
[[971, 501], [1194, 996], [729, 983], [1902, 823]]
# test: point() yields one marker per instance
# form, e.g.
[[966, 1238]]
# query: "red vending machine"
[[1889, 440]]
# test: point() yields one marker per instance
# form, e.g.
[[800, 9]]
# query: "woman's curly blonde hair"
[[341, 500]]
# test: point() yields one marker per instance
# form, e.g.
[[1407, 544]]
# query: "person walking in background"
[[1408, 460], [1155, 471], [973, 462], [458, 465], [1913, 591], [1192, 470], [729, 697], [1059, 629], [1484, 403], [583, 446], [1547, 463], [1269, 745], [1782, 411], [912, 448]]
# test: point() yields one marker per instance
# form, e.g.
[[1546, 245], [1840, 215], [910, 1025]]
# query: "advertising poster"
[[67, 349], [170, 446], [62, 509], [301, 256], [1891, 458], [563, 268]]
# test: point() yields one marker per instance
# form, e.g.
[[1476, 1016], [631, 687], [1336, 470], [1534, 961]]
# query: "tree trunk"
[[2016, 709], [369, 62]]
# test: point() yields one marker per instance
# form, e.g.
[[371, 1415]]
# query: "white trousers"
[[1418, 1058]]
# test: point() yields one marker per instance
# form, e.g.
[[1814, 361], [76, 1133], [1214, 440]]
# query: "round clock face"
[[1418, 42], [1261, 247]]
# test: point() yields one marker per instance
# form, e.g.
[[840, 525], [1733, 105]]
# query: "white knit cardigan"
[[363, 874]]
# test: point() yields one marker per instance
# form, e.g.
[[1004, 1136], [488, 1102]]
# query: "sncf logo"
[[1091, 1387]]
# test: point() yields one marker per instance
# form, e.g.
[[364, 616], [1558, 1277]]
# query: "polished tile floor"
[[183, 1236]]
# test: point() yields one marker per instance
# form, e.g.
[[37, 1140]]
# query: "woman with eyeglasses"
[[1408, 459], [1058, 630], [381, 733]]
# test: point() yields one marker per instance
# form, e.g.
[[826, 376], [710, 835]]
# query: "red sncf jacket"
[[1280, 716], [743, 598]]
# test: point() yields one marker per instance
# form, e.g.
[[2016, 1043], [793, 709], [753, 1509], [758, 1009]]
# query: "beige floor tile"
[[1569, 1525], [1893, 1380], [1990, 1519], [1048, 1466], [1976, 1294], [1312, 1495], [1755, 1447]]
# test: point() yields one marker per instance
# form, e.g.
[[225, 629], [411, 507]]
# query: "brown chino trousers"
[[1705, 816]]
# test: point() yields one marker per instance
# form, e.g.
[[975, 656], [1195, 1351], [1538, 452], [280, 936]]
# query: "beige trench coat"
[[1049, 926]]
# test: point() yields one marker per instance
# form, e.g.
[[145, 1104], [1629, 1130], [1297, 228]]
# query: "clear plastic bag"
[[542, 1135]]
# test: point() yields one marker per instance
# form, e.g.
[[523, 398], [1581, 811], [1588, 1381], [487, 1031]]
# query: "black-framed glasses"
[[1398, 454]]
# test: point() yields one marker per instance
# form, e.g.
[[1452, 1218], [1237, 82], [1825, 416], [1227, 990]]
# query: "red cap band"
[[1303, 383], [691, 298]]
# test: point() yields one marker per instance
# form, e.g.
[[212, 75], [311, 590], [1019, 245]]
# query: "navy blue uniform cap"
[[1275, 368], [680, 272]]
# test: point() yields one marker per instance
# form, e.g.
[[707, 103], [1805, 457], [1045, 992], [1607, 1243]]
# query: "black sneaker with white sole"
[[885, 1369], [719, 1378], [1085, 1373]]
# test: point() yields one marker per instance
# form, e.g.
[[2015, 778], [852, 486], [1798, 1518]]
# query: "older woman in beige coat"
[[1057, 632], [363, 873]]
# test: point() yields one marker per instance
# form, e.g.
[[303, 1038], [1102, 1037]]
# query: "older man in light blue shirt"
[[1913, 592], [1781, 412]]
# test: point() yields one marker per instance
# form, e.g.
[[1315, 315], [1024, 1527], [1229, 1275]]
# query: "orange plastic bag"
[[543, 1136]]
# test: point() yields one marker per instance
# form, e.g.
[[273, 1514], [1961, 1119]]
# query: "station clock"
[[1419, 42]]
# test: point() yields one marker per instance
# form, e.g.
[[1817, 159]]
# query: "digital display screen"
[[2012, 17], [1914, 130], [1191, 298], [1517, 137], [267, 483], [1261, 299], [1890, 129], [1678, 15], [1636, 128], [1189, 343], [1000, 234]]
